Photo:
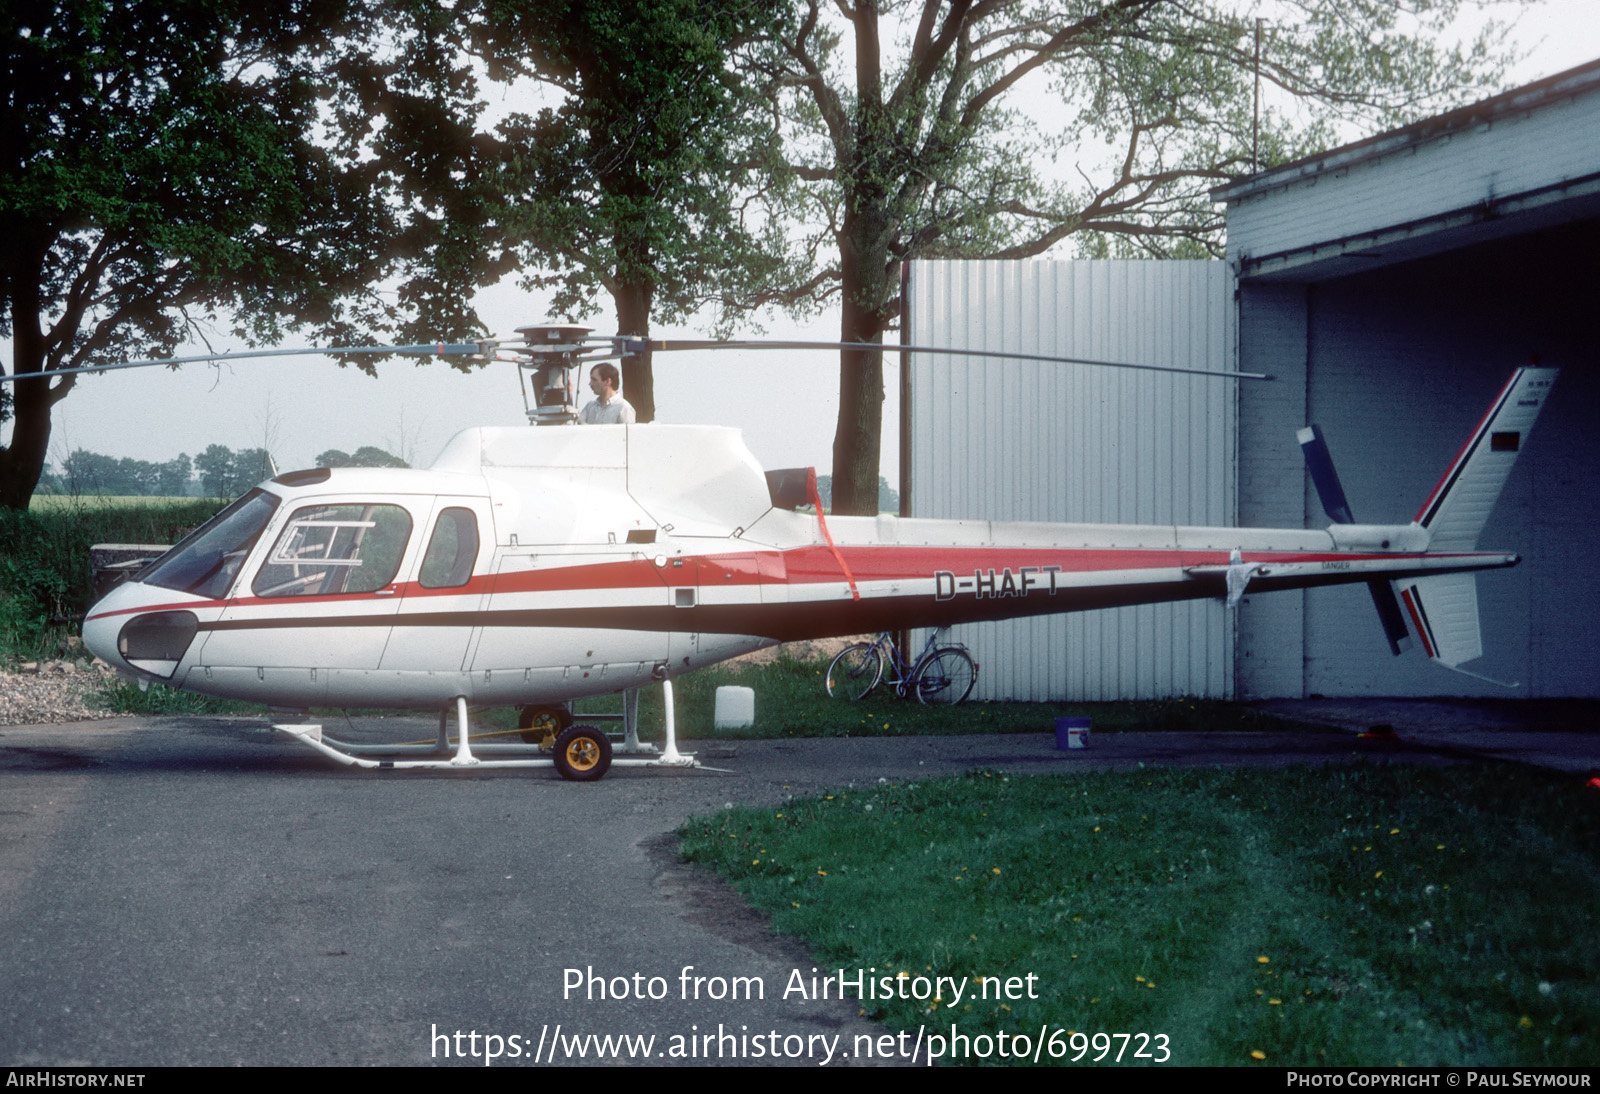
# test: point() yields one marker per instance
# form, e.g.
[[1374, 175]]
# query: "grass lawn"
[[1352, 916]]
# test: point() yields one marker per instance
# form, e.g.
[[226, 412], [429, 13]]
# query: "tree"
[[900, 120], [632, 181], [365, 456], [173, 477], [156, 164], [215, 469]]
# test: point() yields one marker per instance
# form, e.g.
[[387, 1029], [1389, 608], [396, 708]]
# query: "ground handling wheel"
[[583, 754], [541, 725]]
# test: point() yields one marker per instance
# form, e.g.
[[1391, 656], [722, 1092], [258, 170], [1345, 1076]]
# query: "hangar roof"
[[1522, 160]]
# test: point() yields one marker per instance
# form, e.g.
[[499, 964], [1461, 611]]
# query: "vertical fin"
[[1459, 506]]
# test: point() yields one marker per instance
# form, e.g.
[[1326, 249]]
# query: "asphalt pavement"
[[206, 891]]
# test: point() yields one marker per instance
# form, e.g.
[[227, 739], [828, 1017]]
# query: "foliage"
[[224, 473], [159, 163], [365, 456], [45, 579], [125, 697], [1311, 916], [888, 496], [906, 123], [630, 181], [85, 472]]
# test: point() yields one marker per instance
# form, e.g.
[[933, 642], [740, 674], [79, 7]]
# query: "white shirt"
[[614, 411]]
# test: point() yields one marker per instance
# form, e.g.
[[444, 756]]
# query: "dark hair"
[[608, 372]]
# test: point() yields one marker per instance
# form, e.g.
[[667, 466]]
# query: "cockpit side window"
[[326, 550], [451, 551], [208, 559]]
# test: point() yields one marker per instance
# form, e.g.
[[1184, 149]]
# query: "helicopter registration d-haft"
[[531, 567]]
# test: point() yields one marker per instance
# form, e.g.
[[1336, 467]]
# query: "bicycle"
[[943, 674]]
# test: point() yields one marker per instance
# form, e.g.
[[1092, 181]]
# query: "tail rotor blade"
[[1320, 463], [1389, 614]]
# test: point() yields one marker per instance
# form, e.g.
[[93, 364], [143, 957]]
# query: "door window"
[[330, 549], [452, 550]]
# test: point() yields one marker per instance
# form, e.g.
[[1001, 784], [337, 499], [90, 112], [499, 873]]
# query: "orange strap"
[[811, 485]]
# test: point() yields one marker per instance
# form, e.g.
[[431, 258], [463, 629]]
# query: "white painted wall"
[[1527, 144]]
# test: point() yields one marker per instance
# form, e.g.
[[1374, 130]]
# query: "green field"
[[55, 503], [1350, 916]]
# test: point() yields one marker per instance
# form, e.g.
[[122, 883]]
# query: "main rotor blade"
[[641, 345], [435, 349]]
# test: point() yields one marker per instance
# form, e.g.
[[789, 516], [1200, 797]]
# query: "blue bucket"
[[1072, 733]]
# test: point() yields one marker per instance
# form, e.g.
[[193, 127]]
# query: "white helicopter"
[[531, 567]]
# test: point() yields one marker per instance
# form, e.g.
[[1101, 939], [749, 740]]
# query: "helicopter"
[[531, 567]]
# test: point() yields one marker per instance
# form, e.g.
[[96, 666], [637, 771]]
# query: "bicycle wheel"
[[947, 676], [855, 672]]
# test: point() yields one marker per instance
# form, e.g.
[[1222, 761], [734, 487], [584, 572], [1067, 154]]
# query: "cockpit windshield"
[[208, 559]]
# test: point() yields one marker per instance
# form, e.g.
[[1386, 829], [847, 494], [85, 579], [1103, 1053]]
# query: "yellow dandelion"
[[1257, 1054], [755, 862], [1394, 831], [1263, 960], [822, 873], [1274, 1002], [1140, 979], [1378, 874], [996, 870], [1525, 1022]]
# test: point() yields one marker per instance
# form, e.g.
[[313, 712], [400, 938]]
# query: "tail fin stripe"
[[1441, 491], [1420, 618]]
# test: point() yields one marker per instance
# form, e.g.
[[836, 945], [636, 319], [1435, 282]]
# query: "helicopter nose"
[[101, 624], [150, 643]]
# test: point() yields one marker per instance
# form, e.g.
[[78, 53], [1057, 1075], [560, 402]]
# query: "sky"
[[785, 402]]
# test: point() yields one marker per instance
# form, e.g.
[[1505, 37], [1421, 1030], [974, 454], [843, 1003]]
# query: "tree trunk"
[[638, 378], [22, 461], [866, 305]]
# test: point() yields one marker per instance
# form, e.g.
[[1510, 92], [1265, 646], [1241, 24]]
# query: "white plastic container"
[[735, 709]]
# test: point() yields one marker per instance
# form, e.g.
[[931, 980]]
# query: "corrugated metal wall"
[[1011, 440]]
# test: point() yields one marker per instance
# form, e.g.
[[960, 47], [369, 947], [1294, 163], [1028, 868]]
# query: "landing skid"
[[584, 761]]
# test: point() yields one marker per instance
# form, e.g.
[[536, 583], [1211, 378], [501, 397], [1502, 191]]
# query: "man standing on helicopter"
[[609, 407]]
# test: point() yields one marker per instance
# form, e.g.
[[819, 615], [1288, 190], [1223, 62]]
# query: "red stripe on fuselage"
[[808, 565]]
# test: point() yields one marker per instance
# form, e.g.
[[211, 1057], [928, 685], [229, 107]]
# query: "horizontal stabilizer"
[[1444, 611], [1459, 506]]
